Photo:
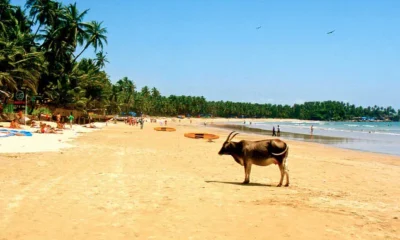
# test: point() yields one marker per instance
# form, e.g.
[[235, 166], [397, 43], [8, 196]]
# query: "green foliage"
[[43, 110], [8, 108]]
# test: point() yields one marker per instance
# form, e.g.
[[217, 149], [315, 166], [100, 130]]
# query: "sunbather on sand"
[[34, 125], [14, 124], [60, 125], [42, 128], [91, 125], [48, 129]]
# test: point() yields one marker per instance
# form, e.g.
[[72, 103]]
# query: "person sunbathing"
[[34, 125], [48, 129], [60, 125], [14, 124], [91, 125], [42, 128]]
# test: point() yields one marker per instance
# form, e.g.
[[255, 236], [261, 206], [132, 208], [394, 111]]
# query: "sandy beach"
[[122, 182]]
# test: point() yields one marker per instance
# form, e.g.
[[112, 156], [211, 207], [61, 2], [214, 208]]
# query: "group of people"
[[46, 128], [165, 122], [276, 133], [60, 124], [15, 123], [135, 121]]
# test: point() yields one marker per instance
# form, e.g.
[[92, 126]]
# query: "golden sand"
[[126, 183]]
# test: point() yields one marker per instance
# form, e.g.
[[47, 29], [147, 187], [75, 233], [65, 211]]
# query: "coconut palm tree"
[[101, 59], [44, 12], [73, 27], [95, 35], [19, 68], [145, 92], [155, 93], [126, 94]]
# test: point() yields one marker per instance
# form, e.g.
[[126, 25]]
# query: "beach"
[[122, 182]]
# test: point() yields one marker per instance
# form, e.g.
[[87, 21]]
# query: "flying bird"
[[258, 27], [330, 32]]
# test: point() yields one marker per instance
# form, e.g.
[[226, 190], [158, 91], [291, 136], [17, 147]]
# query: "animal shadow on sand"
[[242, 184]]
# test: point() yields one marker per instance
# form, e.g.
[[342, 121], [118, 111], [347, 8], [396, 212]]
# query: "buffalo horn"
[[233, 136], [227, 139]]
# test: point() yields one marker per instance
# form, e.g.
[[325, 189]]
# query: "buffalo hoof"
[[246, 182], [279, 185], [287, 185]]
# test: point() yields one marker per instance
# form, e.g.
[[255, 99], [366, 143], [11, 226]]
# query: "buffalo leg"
[[281, 168], [247, 170], [287, 179], [286, 169]]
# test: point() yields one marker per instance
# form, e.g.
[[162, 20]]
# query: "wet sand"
[[288, 135], [125, 183]]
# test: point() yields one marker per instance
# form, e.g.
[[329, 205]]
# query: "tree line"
[[38, 53]]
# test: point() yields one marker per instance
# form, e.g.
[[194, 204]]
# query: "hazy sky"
[[212, 48]]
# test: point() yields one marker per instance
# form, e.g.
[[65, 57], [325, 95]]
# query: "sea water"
[[380, 137]]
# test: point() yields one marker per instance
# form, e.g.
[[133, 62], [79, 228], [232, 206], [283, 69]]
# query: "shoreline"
[[343, 141]]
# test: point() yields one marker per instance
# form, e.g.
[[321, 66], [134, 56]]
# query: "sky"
[[212, 48]]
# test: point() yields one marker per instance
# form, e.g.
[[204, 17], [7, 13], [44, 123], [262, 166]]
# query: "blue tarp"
[[133, 114], [12, 132]]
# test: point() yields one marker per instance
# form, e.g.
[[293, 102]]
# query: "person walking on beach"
[[71, 119], [312, 129], [279, 132], [141, 123], [273, 131]]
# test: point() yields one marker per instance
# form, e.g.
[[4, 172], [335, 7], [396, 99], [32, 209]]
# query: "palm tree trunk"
[[87, 45], [37, 30]]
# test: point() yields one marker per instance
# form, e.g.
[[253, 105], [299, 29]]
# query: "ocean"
[[378, 137]]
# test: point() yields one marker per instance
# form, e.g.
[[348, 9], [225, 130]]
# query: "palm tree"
[[155, 93], [145, 92], [8, 21], [42, 12], [18, 67], [126, 94], [95, 36], [74, 27], [6, 10], [101, 60]]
